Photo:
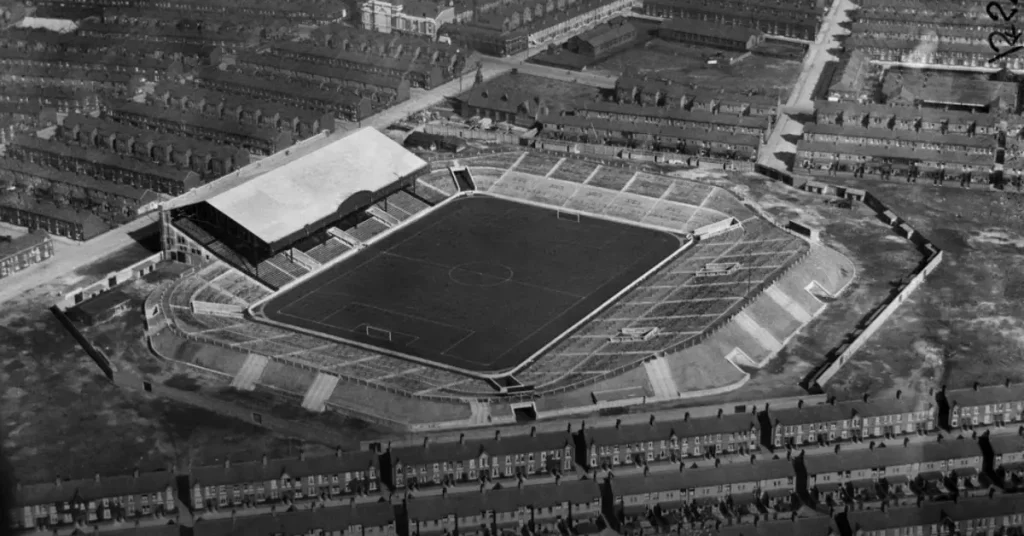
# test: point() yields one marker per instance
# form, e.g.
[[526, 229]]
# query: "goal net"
[[569, 216], [378, 333]]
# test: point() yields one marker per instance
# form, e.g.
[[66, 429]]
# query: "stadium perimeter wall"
[[931, 260]]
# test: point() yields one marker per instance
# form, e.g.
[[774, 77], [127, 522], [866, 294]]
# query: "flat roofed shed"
[[318, 186]]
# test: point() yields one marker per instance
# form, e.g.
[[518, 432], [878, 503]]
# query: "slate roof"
[[907, 112], [853, 75], [91, 224], [327, 520], [31, 239], [702, 477], [678, 114], [196, 120], [694, 134], [513, 444], [312, 95], [315, 69], [942, 87], [739, 34], [93, 488], [894, 454], [933, 513], [273, 469], [663, 430], [507, 499], [989, 394], [604, 33], [978, 142], [12, 166], [876, 151]]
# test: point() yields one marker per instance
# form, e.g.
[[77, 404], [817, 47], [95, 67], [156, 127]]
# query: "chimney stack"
[[976, 386], [497, 435], [899, 394], [686, 416], [720, 412], [568, 428], [1006, 383], [97, 478], [462, 438], [426, 442], [533, 431], [227, 464], [800, 404], [651, 422], [302, 455], [618, 423], [337, 452], [135, 473], [264, 460], [865, 397]]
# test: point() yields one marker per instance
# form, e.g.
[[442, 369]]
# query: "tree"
[[60, 193]]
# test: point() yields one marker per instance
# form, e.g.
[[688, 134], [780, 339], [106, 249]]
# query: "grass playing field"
[[480, 284]]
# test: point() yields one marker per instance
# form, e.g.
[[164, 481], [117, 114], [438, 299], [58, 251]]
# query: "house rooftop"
[[988, 394], [893, 455], [32, 239]]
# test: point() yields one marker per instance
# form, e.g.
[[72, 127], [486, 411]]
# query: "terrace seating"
[[272, 275], [407, 202], [290, 267], [328, 250], [367, 229]]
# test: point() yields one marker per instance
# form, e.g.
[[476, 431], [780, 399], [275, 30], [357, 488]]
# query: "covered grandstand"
[[265, 223]]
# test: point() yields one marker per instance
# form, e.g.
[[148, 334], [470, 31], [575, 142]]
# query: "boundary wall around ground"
[[932, 258]]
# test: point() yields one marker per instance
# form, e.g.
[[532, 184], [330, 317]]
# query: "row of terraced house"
[[665, 457], [795, 19], [849, 136], [509, 29], [303, 11]]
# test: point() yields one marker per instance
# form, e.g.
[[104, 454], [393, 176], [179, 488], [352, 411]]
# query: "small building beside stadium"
[[102, 308]]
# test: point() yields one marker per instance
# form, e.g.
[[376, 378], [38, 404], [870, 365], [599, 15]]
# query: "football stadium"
[[465, 291]]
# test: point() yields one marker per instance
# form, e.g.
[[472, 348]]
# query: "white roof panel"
[[308, 189]]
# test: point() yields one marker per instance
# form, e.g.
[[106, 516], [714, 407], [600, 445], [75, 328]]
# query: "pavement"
[[801, 98], [70, 256]]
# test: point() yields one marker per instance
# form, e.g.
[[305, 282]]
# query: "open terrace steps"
[[698, 368], [287, 378], [379, 402], [237, 284], [438, 181], [603, 201], [328, 250], [407, 202], [367, 229], [178, 348]]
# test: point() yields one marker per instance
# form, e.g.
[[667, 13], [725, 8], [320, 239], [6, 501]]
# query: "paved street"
[[69, 257], [800, 100]]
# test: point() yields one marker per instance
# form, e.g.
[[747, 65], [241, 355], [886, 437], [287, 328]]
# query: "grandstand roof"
[[307, 190]]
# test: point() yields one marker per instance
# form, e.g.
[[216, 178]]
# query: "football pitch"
[[479, 283]]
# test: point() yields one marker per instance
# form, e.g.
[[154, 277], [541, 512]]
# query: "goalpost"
[[378, 333], [569, 216]]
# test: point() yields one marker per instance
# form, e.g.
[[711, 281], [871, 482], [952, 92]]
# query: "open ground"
[[61, 417], [962, 326], [685, 65]]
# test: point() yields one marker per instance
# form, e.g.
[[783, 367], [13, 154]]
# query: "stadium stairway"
[[660, 375], [463, 179], [789, 304], [386, 218], [251, 371], [304, 260], [763, 337], [318, 393], [348, 239]]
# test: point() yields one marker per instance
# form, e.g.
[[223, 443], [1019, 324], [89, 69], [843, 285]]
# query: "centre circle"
[[481, 274]]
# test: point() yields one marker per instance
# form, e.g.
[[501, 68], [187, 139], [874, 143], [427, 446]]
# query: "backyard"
[[686, 65]]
